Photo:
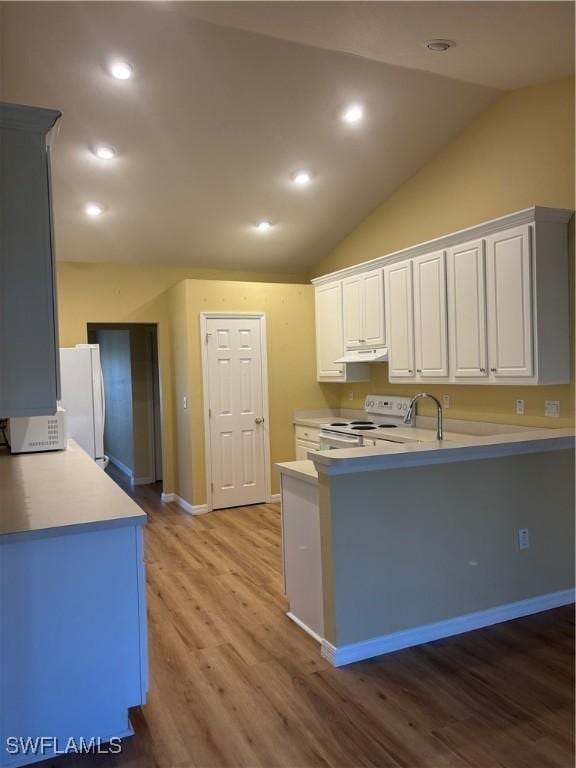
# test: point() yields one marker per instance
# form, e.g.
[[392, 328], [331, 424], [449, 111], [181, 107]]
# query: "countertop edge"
[[55, 531], [289, 468], [433, 454]]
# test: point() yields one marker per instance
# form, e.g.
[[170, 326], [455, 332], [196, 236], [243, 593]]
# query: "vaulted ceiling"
[[228, 100]]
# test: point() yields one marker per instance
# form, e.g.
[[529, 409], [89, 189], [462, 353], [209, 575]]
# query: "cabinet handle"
[[493, 370], [418, 370], [482, 370], [410, 370]]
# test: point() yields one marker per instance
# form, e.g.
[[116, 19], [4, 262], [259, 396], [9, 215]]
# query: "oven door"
[[330, 441]]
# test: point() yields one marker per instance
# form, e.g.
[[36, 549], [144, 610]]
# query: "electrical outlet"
[[552, 408], [519, 407], [446, 401], [351, 395], [185, 402], [523, 538]]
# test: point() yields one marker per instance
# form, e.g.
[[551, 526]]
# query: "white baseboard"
[[122, 467], [275, 498], [305, 627], [376, 646], [192, 509], [142, 480]]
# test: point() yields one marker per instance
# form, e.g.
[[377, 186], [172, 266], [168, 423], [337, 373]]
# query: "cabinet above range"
[[485, 305]]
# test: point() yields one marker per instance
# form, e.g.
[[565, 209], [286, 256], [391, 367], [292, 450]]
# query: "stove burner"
[[369, 423], [363, 426], [387, 426], [339, 424]]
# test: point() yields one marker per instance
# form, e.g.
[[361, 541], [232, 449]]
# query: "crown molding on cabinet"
[[526, 216], [21, 117]]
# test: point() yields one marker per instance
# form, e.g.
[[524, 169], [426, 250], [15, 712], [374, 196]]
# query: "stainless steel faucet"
[[411, 412]]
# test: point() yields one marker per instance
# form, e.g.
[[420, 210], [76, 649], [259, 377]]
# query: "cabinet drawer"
[[312, 434]]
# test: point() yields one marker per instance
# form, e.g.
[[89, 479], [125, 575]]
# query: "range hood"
[[376, 355]]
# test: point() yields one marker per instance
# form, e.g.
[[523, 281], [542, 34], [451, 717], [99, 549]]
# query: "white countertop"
[[303, 470], [55, 492], [455, 447]]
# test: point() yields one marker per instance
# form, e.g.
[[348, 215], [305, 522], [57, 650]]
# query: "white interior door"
[[236, 411]]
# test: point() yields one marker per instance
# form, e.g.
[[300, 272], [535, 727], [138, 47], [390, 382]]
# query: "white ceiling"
[[217, 117]]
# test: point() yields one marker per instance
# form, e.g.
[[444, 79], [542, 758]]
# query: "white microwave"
[[28, 434]]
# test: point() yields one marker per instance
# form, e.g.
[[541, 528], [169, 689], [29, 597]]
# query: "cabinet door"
[[373, 309], [399, 320], [303, 448], [509, 291], [467, 310], [430, 334], [28, 329], [352, 299], [329, 340]]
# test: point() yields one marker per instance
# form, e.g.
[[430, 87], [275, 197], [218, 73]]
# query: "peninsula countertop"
[[55, 492], [454, 448]]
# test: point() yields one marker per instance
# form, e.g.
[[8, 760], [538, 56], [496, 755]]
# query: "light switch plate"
[[519, 407], [446, 401], [552, 408]]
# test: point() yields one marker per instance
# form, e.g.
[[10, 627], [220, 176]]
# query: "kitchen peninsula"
[[73, 644], [421, 540]]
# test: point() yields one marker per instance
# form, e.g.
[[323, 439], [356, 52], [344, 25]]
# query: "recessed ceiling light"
[[93, 210], [121, 70], [263, 226], [301, 178], [353, 113], [439, 46], [104, 152]]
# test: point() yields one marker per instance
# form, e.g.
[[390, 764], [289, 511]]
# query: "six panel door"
[[509, 294], [467, 310], [237, 429], [430, 333], [400, 319]]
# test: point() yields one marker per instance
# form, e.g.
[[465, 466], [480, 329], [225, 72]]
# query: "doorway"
[[235, 379], [133, 423]]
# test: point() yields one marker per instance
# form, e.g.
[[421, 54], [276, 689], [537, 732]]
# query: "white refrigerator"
[[82, 389]]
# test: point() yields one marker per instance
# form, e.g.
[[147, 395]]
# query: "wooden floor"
[[234, 684]]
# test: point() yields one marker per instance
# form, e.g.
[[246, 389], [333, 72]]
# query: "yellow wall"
[[292, 382], [518, 153], [104, 293]]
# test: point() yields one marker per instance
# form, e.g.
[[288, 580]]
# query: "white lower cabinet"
[[303, 448], [307, 439], [302, 555]]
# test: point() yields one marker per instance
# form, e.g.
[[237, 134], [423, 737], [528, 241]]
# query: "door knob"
[[258, 420]]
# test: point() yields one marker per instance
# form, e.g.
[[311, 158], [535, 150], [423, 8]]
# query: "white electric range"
[[384, 414]]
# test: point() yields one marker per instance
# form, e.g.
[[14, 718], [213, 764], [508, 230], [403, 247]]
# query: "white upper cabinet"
[[467, 310], [487, 305], [363, 298], [329, 331], [400, 319], [430, 335], [330, 337], [509, 292]]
